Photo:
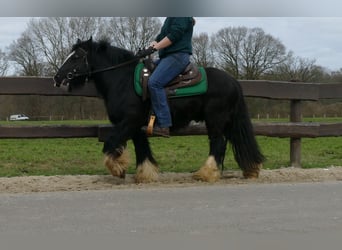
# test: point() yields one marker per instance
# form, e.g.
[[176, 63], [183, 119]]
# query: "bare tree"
[[49, 40], [336, 76], [24, 52], [3, 63], [248, 53], [298, 69], [133, 33], [54, 36], [202, 50]]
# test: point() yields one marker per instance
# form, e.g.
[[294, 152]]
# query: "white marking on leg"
[[147, 172], [117, 166], [209, 172]]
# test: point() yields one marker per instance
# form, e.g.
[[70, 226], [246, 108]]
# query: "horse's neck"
[[114, 82], [116, 78]]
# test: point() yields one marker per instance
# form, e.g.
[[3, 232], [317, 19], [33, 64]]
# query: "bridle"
[[73, 73]]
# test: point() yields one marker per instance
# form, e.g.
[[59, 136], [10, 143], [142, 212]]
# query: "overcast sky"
[[317, 38]]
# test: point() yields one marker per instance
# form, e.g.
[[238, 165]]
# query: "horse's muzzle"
[[56, 81], [63, 84]]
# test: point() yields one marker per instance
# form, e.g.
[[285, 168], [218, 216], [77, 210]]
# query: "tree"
[[202, 50], [336, 76], [49, 40], [3, 63], [24, 52], [133, 33], [54, 36], [248, 53], [298, 69]]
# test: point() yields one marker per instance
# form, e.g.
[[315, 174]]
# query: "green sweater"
[[179, 30]]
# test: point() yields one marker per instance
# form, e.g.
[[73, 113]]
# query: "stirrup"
[[149, 130]]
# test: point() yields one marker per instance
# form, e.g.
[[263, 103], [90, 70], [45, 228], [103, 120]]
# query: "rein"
[[72, 75], [114, 66]]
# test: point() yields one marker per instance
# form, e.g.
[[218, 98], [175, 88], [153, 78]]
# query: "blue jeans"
[[167, 69]]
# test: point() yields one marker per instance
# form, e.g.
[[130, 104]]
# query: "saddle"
[[189, 77]]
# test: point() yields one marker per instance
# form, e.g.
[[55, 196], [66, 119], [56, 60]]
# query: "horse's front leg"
[[147, 167], [116, 155]]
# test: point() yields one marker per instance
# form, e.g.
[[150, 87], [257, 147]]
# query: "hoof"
[[252, 173], [209, 172], [117, 166], [147, 173]]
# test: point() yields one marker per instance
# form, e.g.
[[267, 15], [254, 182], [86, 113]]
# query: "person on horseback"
[[174, 46]]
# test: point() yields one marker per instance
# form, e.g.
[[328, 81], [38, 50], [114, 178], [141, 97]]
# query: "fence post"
[[295, 142]]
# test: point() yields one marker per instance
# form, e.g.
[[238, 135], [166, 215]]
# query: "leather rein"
[[73, 74]]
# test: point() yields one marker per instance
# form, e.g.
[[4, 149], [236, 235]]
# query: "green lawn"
[[178, 154]]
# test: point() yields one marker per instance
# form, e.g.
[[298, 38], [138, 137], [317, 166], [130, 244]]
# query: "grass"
[[177, 154], [50, 157], [20, 157]]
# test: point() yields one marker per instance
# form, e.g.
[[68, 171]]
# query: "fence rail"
[[295, 129], [252, 88], [271, 129]]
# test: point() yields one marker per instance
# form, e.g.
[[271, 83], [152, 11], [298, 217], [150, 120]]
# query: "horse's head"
[[75, 69]]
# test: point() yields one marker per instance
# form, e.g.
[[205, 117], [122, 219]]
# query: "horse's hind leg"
[[210, 172], [147, 168]]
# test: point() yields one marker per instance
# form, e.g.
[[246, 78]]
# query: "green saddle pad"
[[198, 89]]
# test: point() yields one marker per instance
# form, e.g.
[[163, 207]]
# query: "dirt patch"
[[30, 184]]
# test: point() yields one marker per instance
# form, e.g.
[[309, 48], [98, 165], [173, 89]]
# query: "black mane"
[[115, 54], [104, 48]]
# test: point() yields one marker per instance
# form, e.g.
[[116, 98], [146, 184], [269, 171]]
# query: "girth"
[[189, 77]]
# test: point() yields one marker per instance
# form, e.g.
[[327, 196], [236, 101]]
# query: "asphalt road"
[[279, 214]]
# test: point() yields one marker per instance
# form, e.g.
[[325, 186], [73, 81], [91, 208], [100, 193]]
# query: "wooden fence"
[[294, 92]]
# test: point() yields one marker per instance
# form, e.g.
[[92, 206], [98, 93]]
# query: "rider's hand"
[[146, 52]]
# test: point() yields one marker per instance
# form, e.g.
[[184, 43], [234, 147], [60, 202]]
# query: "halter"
[[72, 74]]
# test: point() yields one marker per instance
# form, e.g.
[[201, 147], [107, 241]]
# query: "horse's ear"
[[89, 42]]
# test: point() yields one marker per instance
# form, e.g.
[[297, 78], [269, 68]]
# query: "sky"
[[318, 38]]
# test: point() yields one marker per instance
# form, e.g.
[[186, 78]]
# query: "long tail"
[[241, 136]]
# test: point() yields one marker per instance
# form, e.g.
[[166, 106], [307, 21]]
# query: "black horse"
[[222, 108]]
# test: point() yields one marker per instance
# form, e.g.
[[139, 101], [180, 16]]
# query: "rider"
[[174, 45]]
